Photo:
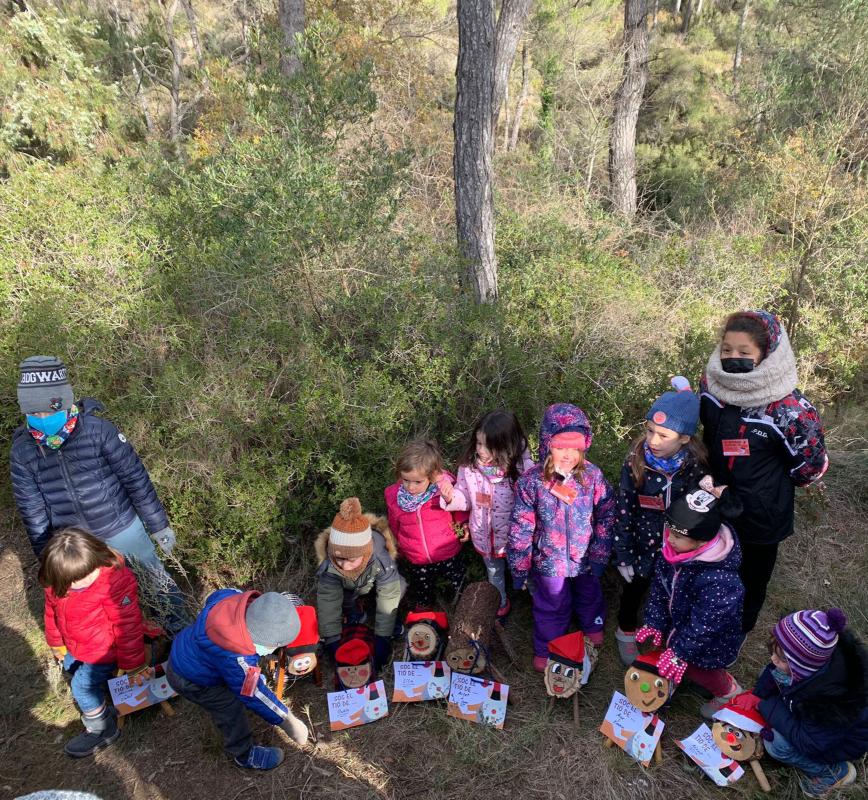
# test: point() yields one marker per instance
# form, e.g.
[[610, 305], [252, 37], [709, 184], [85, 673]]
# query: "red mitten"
[[671, 666], [647, 632]]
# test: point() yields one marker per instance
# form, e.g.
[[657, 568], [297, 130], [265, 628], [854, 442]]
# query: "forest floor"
[[417, 751]]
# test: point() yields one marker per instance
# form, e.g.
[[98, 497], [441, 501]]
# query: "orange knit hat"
[[350, 535]]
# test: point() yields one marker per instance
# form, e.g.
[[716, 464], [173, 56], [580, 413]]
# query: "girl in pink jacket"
[[494, 459], [429, 538]]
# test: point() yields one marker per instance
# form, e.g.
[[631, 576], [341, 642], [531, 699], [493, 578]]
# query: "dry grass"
[[417, 751]]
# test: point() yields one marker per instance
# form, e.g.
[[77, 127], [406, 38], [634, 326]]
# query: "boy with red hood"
[[215, 664]]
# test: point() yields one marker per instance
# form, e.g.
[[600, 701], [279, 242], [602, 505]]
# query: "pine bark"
[[510, 26], [290, 14]]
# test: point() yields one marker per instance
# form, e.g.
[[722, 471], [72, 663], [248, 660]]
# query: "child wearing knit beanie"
[[661, 463], [814, 694], [356, 556]]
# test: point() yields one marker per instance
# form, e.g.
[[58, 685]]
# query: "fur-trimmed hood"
[[378, 524]]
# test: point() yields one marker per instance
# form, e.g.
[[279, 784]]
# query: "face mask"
[[781, 678], [263, 650], [737, 364], [48, 425]]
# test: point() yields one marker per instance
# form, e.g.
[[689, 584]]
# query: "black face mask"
[[737, 364]]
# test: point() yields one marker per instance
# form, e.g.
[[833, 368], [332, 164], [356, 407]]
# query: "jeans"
[[821, 776], [496, 569], [164, 600], [88, 682]]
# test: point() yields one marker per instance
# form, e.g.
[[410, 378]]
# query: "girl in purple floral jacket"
[[561, 531]]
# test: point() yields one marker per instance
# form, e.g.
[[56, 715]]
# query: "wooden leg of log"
[[550, 705], [166, 708], [317, 675], [281, 674], [576, 709], [121, 721], [607, 742], [505, 642], [761, 778], [658, 754]]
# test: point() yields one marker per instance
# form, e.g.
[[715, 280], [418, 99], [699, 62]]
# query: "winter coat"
[[489, 523], [823, 716], [787, 449], [424, 536], [216, 650], [381, 576], [556, 538], [697, 603], [95, 480], [639, 531], [101, 624]]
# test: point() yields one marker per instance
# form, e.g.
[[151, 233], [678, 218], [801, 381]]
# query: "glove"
[[767, 734], [647, 632], [671, 666], [382, 651], [59, 652], [165, 539], [626, 571], [295, 728]]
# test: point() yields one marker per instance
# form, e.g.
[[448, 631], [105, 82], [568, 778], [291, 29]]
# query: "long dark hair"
[[505, 439]]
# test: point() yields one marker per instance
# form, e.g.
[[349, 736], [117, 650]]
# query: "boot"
[[259, 757], [627, 649], [99, 731]]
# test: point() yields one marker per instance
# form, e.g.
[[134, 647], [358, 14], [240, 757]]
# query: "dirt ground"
[[416, 751]]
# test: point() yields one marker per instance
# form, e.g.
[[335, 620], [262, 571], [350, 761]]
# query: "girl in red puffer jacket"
[[93, 625]]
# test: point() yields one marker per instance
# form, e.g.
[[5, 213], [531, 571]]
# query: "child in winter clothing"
[[92, 625], [561, 531], [661, 464], [425, 532], [763, 438], [356, 556], [495, 457], [815, 698], [215, 663], [694, 606]]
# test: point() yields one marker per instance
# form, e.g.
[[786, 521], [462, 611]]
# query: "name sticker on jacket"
[[483, 500], [736, 447], [251, 679], [651, 502], [563, 492]]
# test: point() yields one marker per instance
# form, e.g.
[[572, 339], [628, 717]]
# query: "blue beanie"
[[678, 411]]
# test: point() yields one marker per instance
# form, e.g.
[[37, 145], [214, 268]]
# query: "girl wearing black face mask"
[[763, 438]]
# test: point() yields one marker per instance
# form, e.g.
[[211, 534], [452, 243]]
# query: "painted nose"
[[730, 737], [645, 687]]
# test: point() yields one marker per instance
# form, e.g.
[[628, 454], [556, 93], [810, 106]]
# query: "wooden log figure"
[[469, 646], [736, 731], [571, 660], [425, 635], [301, 656], [354, 658]]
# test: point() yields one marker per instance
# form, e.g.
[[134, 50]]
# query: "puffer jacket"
[[638, 525], [216, 650], [696, 603], [95, 480], [489, 524], [101, 624], [555, 538], [824, 716], [380, 576], [786, 449], [424, 536]]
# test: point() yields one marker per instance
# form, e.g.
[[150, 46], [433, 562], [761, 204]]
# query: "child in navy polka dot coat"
[[666, 459], [695, 603]]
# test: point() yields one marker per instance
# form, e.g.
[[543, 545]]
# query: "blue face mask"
[[48, 425]]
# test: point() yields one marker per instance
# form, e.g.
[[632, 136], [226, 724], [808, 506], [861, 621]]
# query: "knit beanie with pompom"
[[808, 639], [350, 536]]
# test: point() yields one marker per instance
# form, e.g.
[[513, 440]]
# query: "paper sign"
[[477, 700], [416, 681], [354, 707], [706, 754], [128, 698], [634, 731]]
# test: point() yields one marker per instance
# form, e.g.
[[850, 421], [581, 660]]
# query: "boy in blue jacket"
[[815, 698], [215, 664]]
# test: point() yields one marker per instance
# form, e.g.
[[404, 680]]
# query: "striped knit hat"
[[808, 639], [350, 535]]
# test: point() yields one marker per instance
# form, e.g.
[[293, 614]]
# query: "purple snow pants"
[[555, 600]]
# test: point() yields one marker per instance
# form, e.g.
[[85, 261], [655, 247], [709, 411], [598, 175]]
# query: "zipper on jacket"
[[422, 531], [68, 481], [675, 572]]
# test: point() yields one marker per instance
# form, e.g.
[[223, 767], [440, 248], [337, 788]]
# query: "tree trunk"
[[628, 99], [291, 17], [654, 15], [522, 97], [677, 7], [170, 9], [474, 206], [194, 32], [736, 61], [510, 24], [687, 17]]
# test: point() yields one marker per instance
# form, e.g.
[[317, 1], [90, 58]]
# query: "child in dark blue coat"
[[694, 606], [662, 463], [815, 698]]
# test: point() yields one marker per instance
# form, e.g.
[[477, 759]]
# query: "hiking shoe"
[[259, 757], [819, 786], [709, 709], [627, 649], [539, 663], [504, 609], [100, 731]]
